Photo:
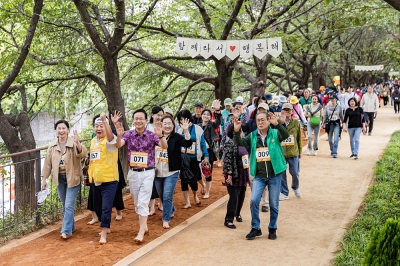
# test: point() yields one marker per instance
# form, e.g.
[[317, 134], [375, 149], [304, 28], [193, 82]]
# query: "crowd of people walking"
[[255, 143]]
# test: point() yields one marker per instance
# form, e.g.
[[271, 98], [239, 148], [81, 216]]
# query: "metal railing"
[[19, 184]]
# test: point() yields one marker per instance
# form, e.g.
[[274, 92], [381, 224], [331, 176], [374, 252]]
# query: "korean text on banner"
[[181, 45]]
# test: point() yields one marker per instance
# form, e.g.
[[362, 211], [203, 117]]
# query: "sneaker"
[[355, 157], [334, 155], [309, 152], [297, 192], [264, 208], [315, 153], [272, 234], [253, 233], [351, 156], [283, 197]]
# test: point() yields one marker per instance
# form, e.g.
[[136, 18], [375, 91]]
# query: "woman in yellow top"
[[103, 171], [63, 161]]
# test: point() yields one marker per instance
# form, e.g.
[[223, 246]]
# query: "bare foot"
[[119, 216], [93, 221], [152, 211], [165, 225], [206, 196], [198, 202], [64, 236], [103, 236], [139, 237], [187, 206], [107, 231]]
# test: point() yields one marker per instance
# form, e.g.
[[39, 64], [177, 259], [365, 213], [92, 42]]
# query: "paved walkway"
[[308, 228]]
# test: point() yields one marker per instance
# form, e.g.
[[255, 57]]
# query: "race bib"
[[262, 155], [245, 161], [161, 155], [95, 155], [277, 115], [190, 150], [139, 159], [289, 141]]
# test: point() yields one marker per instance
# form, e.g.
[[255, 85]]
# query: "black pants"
[[370, 116], [396, 107], [385, 100], [195, 169], [235, 202]]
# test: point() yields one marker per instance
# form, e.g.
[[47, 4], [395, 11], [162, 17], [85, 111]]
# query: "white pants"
[[141, 186]]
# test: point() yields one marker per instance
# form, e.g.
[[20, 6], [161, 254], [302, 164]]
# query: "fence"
[[20, 181]]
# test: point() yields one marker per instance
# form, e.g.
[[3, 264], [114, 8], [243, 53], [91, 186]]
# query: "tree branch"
[[206, 18], [232, 18], [166, 87], [103, 27]]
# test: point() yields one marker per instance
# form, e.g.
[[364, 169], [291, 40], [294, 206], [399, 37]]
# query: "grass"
[[382, 202]]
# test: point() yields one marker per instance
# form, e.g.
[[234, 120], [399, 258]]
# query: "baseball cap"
[[287, 106], [282, 99], [239, 99], [275, 99], [333, 96], [228, 101], [293, 100], [263, 105], [199, 104], [168, 110], [268, 97]]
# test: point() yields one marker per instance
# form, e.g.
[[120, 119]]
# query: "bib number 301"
[[138, 159]]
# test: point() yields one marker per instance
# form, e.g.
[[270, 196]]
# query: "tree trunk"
[[223, 85], [17, 134]]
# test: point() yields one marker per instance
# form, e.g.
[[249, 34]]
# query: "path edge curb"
[[138, 254]]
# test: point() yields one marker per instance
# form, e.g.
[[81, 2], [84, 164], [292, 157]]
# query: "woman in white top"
[[313, 112]]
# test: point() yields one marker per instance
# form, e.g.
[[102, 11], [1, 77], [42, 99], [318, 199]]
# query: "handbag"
[[328, 124], [314, 120]]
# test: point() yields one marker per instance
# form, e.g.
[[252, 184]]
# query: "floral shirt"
[[142, 143]]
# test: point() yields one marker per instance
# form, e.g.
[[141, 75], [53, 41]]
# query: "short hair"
[[62, 121], [266, 114], [206, 110], [316, 96], [140, 111], [229, 131], [262, 97], [185, 114], [156, 109], [173, 122], [352, 99]]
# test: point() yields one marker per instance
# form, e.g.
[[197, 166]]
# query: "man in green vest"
[[267, 163]]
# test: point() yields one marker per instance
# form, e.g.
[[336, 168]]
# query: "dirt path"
[[83, 248], [308, 228]]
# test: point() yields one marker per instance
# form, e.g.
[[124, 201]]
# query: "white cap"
[[239, 99], [168, 110], [275, 99]]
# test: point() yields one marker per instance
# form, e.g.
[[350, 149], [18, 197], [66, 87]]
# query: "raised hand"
[[185, 124], [282, 117], [119, 128], [116, 116], [216, 104], [272, 119], [158, 129], [76, 137], [103, 116], [237, 125], [236, 112]]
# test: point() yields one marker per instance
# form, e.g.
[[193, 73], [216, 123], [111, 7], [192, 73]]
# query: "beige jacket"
[[72, 162]]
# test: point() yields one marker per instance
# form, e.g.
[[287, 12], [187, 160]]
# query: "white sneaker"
[[309, 152], [297, 192], [315, 153], [283, 197]]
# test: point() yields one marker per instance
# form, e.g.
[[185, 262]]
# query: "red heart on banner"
[[232, 48]]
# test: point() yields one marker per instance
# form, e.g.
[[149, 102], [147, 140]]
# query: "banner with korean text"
[[230, 48]]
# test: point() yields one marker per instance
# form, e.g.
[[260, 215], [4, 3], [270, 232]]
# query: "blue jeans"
[[333, 137], [294, 170], [165, 187], [274, 188], [103, 209], [310, 129], [354, 139], [67, 197]]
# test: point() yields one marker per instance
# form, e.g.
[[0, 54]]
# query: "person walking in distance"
[[292, 149], [332, 118], [370, 105], [396, 98], [267, 163], [356, 123]]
